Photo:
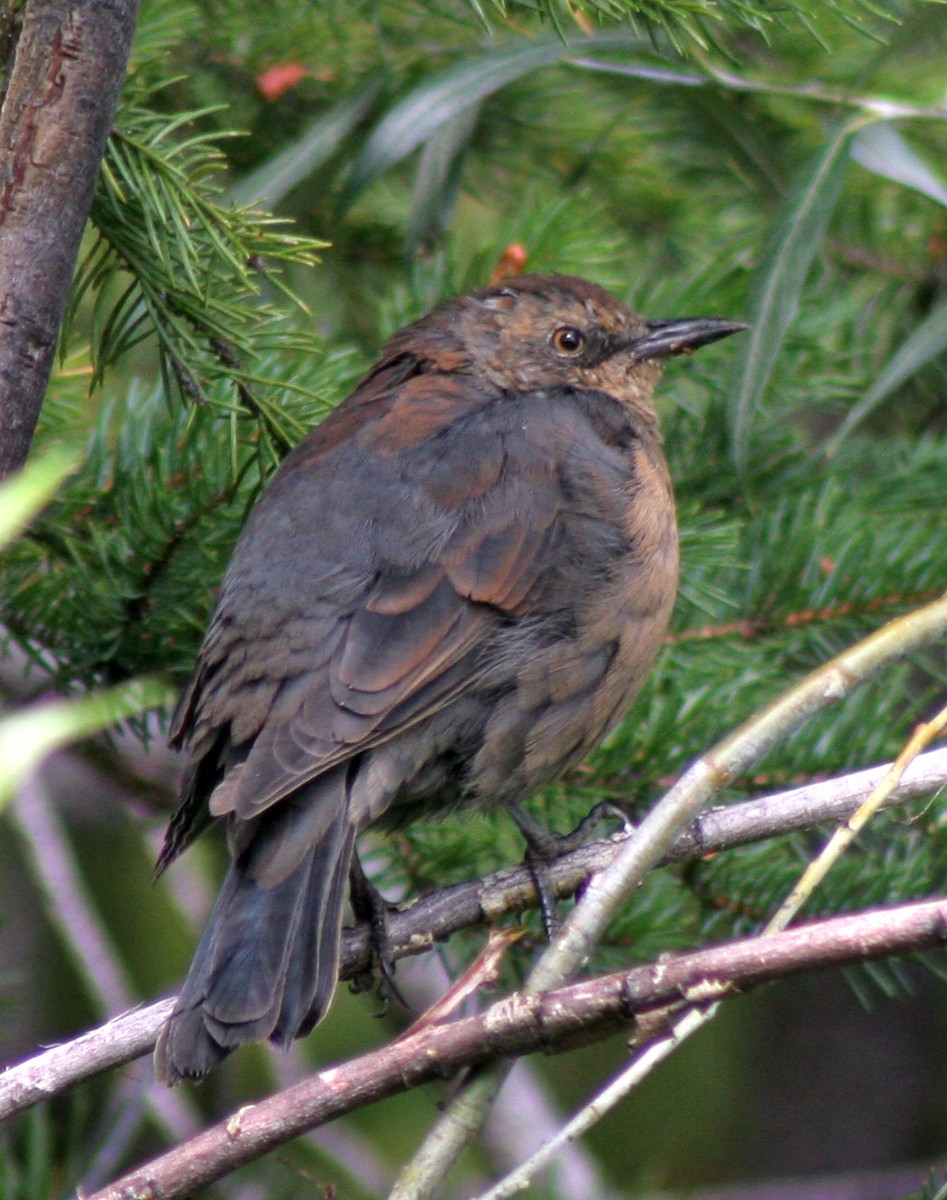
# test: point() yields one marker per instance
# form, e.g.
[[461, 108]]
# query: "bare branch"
[[521, 1024], [435, 917], [119, 1041]]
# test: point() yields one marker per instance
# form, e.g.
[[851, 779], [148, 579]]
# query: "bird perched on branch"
[[450, 591]]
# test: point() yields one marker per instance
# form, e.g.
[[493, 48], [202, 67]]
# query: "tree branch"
[[64, 82], [417, 926], [521, 1024]]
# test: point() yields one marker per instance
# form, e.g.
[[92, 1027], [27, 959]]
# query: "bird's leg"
[[370, 906], [543, 848]]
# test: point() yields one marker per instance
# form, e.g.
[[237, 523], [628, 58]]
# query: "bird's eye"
[[568, 340]]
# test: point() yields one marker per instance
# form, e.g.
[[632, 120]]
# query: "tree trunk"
[[68, 63]]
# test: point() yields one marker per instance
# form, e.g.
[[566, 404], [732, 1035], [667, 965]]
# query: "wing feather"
[[376, 616]]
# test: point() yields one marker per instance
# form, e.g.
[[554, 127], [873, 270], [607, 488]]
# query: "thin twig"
[[732, 757], [68, 904], [525, 1115], [846, 833], [590, 1114]]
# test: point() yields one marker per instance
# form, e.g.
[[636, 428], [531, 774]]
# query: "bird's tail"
[[268, 962]]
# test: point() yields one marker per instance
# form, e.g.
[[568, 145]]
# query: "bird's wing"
[[364, 588]]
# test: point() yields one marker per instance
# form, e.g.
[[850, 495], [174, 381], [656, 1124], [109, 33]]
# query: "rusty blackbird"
[[450, 591]]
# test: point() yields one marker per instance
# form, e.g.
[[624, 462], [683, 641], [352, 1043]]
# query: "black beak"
[[682, 336]]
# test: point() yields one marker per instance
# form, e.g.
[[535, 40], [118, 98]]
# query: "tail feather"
[[267, 964], [314, 961]]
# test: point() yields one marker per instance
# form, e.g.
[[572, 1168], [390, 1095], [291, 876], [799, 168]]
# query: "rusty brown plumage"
[[450, 591]]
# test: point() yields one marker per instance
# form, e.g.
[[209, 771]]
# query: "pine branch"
[[198, 267], [681, 21]]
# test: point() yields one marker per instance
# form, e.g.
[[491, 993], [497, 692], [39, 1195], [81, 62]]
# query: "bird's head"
[[540, 331]]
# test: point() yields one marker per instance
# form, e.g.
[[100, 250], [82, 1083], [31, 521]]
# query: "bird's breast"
[[571, 688]]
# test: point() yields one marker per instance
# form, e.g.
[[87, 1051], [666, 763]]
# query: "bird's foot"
[[544, 847], [590, 823], [370, 906]]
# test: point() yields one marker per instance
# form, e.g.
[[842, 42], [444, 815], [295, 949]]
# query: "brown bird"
[[450, 591]]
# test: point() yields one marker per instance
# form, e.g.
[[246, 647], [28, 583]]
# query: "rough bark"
[[63, 83]]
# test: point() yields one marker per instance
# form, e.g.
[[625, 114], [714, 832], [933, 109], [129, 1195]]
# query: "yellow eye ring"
[[568, 340]]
